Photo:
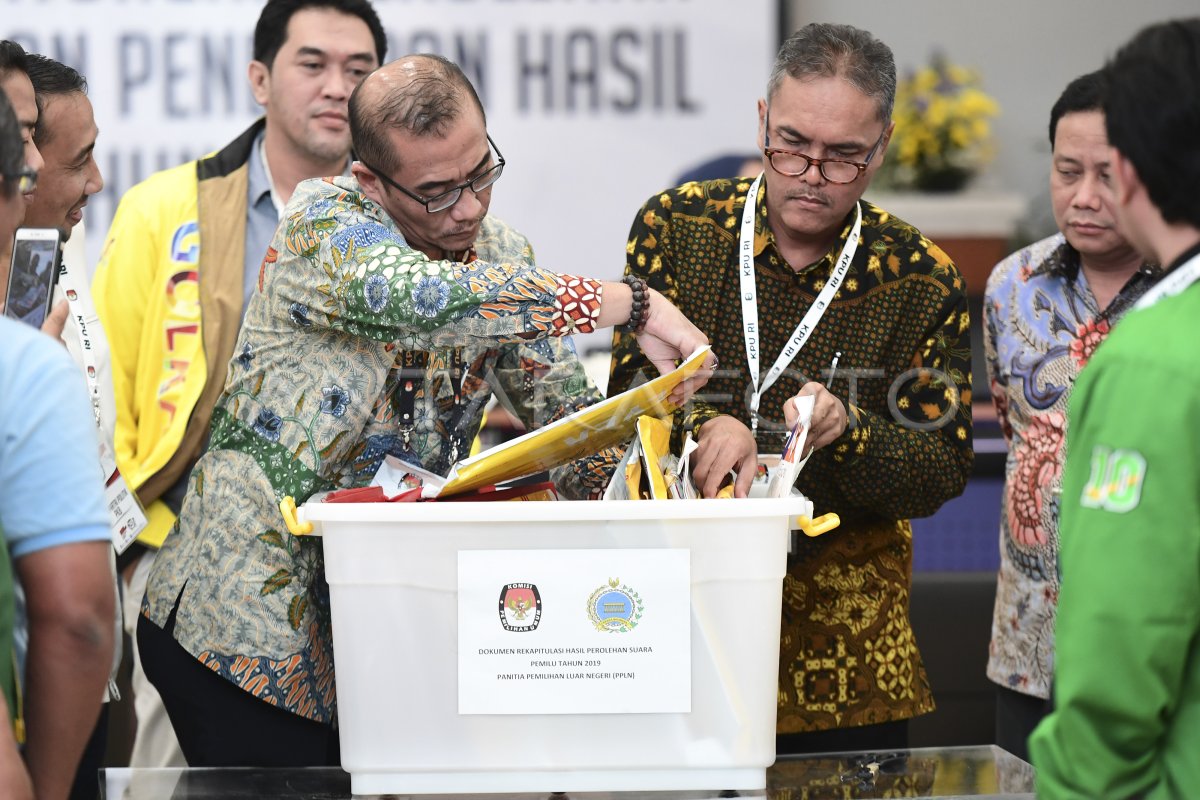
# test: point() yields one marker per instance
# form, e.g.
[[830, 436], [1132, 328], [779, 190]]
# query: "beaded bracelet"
[[639, 309]]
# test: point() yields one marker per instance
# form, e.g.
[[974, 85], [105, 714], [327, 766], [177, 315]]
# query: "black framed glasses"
[[446, 199], [794, 164], [26, 179]]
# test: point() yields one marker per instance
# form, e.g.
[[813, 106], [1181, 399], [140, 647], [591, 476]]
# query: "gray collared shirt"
[[261, 220]]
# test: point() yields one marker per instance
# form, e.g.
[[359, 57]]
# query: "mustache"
[[469, 227], [797, 194]]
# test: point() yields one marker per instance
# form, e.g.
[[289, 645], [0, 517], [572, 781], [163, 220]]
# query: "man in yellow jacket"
[[182, 256]]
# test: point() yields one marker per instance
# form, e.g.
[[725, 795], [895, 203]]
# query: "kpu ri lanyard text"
[[127, 519], [1172, 283], [750, 329]]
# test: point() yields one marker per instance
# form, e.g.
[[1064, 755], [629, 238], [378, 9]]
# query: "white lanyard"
[[1172, 283], [126, 517], [750, 302], [86, 349]]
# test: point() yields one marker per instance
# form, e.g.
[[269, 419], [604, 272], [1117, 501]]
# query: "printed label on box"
[[574, 631]]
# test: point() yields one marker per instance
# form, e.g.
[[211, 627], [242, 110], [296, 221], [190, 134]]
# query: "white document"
[[574, 631], [687, 487], [618, 488], [790, 462], [396, 477]]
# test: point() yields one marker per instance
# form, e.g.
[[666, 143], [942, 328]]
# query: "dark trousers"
[[219, 724], [1017, 714], [884, 737]]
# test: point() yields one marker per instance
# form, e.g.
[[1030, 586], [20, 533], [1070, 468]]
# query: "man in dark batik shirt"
[[891, 433]]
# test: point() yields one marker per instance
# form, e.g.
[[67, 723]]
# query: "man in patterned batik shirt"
[[1047, 308], [892, 432], [387, 311]]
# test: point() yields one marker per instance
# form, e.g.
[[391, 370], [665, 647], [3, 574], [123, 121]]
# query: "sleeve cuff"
[[577, 305], [86, 533]]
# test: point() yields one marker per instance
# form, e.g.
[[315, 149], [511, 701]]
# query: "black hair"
[[1153, 114], [12, 57], [1085, 93], [12, 148], [424, 105], [271, 31], [49, 78]]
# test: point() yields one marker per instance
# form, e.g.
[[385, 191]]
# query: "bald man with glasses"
[[388, 310]]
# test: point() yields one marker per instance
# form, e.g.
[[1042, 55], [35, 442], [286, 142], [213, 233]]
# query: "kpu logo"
[[520, 607]]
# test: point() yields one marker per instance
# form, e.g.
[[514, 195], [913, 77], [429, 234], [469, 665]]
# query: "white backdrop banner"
[[596, 104]]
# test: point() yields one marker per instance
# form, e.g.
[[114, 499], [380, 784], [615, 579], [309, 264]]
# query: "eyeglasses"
[[834, 170], [26, 179], [446, 199]]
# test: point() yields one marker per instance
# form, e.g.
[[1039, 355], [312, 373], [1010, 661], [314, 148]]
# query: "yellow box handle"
[[287, 507], [822, 524]]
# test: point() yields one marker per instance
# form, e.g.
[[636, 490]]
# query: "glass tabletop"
[[985, 771]]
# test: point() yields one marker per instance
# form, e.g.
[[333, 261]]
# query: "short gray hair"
[[823, 49]]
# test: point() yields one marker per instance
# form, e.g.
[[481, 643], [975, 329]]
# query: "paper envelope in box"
[[605, 424], [655, 436]]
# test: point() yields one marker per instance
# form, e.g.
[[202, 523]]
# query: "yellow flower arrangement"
[[942, 134]]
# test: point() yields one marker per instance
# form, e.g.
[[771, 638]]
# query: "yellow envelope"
[[588, 431], [655, 437]]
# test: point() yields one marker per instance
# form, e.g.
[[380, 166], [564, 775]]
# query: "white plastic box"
[[392, 572]]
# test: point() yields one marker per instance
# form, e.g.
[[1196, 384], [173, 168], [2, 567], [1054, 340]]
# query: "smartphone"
[[32, 275]]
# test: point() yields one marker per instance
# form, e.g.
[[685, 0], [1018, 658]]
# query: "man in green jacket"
[[1127, 683]]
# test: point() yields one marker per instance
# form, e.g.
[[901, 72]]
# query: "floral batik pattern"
[[1041, 326], [354, 347], [900, 321]]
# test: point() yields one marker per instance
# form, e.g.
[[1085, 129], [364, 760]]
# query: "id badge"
[[126, 517]]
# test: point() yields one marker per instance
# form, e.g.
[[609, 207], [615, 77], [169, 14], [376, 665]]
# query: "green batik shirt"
[[847, 654], [354, 347]]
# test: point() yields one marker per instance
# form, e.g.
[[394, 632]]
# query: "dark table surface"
[[985, 771]]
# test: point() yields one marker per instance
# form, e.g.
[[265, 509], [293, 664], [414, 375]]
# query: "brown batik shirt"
[[900, 321]]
